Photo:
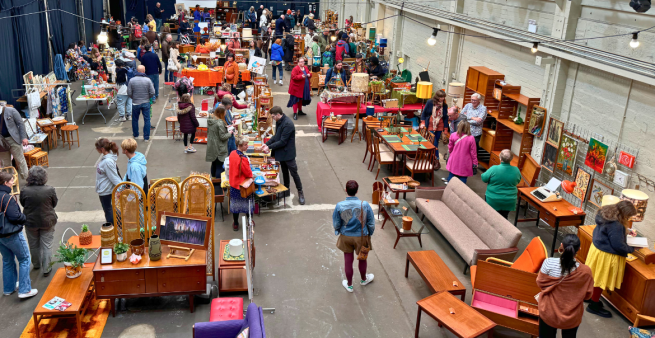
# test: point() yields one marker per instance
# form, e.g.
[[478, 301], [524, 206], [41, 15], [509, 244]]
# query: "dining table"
[[408, 142]]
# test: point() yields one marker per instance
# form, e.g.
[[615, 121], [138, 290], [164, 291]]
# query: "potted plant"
[[72, 257], [154, 249], [120, 249], [85, 236]]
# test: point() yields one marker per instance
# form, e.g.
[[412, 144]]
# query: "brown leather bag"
[[366, 247], [247, 187]]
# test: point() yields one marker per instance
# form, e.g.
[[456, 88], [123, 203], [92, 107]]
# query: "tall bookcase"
[[498, 130]]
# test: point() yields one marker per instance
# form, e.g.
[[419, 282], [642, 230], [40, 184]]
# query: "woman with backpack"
[[13, 245]]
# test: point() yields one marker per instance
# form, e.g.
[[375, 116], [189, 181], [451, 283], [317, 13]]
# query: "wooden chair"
[[389, 120], [429, 136], [529, 172], [423, 131], [383, 157], [423, 163], [367, 137]]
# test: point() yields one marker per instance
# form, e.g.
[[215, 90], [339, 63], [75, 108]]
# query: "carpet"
[[93, 323]]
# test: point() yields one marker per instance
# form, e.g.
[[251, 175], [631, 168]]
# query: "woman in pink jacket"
[[463, 153]]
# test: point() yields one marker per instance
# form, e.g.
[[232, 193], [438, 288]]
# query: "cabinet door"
[[472, 78], [483, 82]]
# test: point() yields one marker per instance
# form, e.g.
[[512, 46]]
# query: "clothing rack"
[[31, 87]]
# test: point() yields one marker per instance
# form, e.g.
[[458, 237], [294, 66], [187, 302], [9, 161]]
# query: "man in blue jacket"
[[280, 27], [150, 60]]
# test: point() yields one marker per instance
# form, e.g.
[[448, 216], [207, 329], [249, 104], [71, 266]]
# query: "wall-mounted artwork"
[[626, 159], [550, 157], [567, 153], [596, 155], [537, 121], [555, 132], [598, 190], [582, 179]]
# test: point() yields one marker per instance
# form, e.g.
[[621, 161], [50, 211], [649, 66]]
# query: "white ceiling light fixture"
[[433, 39], [535, 47], [634, 43]]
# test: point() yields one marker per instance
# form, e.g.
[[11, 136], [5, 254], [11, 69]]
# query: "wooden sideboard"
[[165, 277], [635, 297]]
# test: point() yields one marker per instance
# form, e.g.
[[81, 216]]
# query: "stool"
[[172, 106], [67, 135], [28, 155], [226, 309], [172, 120], [52, 135], [40, 158]]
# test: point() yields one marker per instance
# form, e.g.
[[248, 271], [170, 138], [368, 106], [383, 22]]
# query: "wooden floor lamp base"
[[356, 129]]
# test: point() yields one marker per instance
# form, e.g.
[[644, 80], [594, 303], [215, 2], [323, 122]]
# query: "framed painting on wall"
[[555, 132], [537, 121], [582, 179], [598, 190], [549, 158], [566, 156], [596, 155]]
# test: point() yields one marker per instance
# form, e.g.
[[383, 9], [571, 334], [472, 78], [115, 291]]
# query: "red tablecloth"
[[204, 78], [323, 109]]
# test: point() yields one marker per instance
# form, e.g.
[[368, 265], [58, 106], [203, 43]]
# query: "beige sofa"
[[471, 226]]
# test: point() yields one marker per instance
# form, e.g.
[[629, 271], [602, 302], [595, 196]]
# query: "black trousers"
[[193, 137], [217, 168], [504, 213], [105, 201], [547, 331], [290, 166]]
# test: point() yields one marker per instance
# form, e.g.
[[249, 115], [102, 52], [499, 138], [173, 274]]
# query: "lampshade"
[[359, 83], [609, 200], [370, 110], [424, 90], [247, 33], [640, 201], [568, 186], [383, 42], [401, 60], [456, 89]]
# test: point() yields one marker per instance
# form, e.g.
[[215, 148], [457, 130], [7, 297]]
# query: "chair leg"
[[365, 154], [376, 176], [466, 268], [433, 178]]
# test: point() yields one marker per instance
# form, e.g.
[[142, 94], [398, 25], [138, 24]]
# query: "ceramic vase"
[[154, 249], [138, 246], [107, 237], [121, 257], [72, 272]]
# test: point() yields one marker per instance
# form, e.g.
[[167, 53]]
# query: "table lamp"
[[423, 91], [568, 186], [609, 200], [359, 84], [640, 201], [456, 90]]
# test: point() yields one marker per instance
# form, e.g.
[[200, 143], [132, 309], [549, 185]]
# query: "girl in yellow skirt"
[[608, 251]]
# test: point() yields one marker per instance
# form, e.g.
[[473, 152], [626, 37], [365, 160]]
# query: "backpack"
[[328, 58], [304, 23], [138, 33], [130, 73]]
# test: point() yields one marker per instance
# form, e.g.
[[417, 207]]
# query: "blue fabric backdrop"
[[32, 36], [9, 67]]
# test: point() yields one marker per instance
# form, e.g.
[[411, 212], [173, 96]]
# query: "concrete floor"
[[299, 269]]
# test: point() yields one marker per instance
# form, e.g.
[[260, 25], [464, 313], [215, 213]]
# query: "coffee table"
[[77, 291], [396, 191], [466, 322], [435, 272], [418, 228]]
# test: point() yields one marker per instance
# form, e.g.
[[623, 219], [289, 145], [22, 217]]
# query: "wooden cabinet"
[[635, 297]]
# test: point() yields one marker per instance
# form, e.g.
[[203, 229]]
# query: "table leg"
[[86, 111], [398, 235], [78, 319], [36, 325], [113, 306], [552, 248], [418, 322], [419, 240], [191, 303], [516, 216], [490, 333], [407, 266], [538, 213]]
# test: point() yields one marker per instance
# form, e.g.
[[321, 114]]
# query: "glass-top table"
[[395, 213]]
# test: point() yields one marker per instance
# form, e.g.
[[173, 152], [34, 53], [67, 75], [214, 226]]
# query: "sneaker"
[[147, 141], [345, 285], [11, 293], [369, 279], [32, 293], [129, 117], [122, 119], [281, 84]]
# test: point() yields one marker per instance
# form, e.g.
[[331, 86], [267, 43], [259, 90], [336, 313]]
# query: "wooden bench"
[[435, 272]]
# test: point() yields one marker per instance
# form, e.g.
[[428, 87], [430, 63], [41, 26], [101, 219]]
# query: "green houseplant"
[[72, 257], [121, 251]]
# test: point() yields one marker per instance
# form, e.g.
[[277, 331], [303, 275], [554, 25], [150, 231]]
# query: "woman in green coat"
[[501, 182], [217, 136]]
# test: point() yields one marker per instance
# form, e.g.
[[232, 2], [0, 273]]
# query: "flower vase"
[[138, 246], [154, 249], [121, 257], [107, 237], [71, 271]]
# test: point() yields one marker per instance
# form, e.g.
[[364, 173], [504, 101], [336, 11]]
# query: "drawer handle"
[[138, 285], [163, 272], [102, 287], [164, 285], [136, 273]]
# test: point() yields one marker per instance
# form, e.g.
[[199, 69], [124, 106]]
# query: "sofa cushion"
[[492, 228], [254, 321], [226, 309], [451, 227]]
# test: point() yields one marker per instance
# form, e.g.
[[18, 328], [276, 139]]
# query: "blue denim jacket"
[[345, 218]]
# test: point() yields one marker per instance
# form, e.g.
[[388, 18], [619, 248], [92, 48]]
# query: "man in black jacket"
[[280, 27], [283, 144], [259, 12]]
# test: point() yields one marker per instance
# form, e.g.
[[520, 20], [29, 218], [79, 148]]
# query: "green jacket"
[[322, 42], [501, 182], [217, 137], [316, 50]]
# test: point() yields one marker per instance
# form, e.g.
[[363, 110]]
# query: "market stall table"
[[204, 78], [404, 146], [96, 101], [459, 318], [77, 291]]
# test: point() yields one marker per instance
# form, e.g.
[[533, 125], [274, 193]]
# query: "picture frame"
[[598, 190], [566, 155], [555, 129], [189, 231], [106, 256], [549, 158], [596, 155], [582, 180], [28, 78], [179, 8], [537, 121], [626, 159], [621, 178]]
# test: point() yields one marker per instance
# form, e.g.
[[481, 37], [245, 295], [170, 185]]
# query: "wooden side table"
[[172, 120], [465, 322], [435, 272], [335, 126], [232, 275], [67, 135]]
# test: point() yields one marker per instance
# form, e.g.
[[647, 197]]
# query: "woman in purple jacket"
[[463, 153]]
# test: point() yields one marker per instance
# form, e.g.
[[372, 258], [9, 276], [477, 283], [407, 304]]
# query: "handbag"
[[366, 247], [4, 145], [3, 213], [246, 187], [171, 65]]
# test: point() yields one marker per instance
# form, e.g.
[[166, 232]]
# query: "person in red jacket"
[[240, 171], [299, 88]]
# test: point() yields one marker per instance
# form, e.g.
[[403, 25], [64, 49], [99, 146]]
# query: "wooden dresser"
[[635, 298], [165, 277]]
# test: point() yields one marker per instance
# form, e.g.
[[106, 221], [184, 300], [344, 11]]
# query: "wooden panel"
[[483, 80], [585, 235], [633, 286], [179, 272], [118, 275], [621, 304], [648, 307], [503, 138], [199, 257], [190, 283], [530, 170], [434, 271], [487, 140], [151, 280], [465, 321], [506, 108], [523, 324], [472, 78], [506, 282], [233, 280], [121, 288], [493, 159]]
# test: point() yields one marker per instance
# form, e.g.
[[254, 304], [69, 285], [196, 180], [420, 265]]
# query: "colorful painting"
[[537, 121], [596, 155], [183, 230], [598, 190], [582, 179], [567, 153], [555, 132], [626, 159], [550, 157]]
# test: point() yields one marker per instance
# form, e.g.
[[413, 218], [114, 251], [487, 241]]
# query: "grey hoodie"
[[107, 174]]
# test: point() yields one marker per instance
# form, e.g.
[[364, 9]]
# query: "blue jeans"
[[155, 82], [124, 104], [461, 178], [279, 68], [137, 109], [158, 22], [12, 248], [168, 76], [437, 137]]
